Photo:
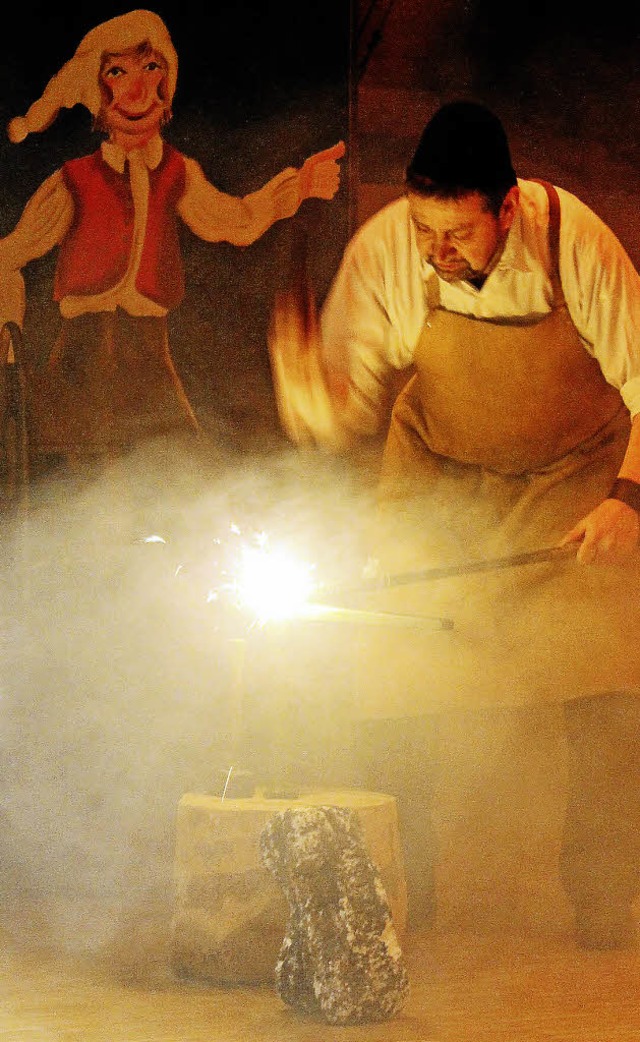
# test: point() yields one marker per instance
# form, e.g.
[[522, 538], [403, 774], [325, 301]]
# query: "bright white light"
[[272, 584]]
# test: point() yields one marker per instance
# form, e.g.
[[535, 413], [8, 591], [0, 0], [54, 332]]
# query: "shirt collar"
[[115, 156], [514, 254]]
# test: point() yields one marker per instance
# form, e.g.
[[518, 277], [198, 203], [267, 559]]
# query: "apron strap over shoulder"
[[554, 240]]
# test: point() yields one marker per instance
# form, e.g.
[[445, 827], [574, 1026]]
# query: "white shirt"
[[375, 310]]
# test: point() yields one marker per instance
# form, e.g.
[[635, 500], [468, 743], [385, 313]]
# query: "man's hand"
[[608, 535], [319, 176], [302, 387]]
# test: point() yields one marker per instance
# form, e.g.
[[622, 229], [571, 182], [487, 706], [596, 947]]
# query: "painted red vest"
[[93, 256]]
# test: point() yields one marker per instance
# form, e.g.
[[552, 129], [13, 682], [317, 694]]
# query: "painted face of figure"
[[133, 85], [460, 238]]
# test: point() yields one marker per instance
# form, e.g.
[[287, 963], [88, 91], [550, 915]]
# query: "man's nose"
[[442, 247]]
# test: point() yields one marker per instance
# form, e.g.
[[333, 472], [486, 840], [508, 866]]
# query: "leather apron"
[[506, 436]]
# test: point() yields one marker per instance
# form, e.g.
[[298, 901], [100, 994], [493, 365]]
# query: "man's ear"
[[509, 208]]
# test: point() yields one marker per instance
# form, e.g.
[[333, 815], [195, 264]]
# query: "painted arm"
[[217, 217], [44, 222]]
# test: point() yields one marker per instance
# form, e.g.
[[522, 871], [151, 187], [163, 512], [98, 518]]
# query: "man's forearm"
[[626, 487], [630, 468]]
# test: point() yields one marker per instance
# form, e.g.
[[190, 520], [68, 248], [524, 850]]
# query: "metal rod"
[[328, 613], [383, 582], [226, 783]]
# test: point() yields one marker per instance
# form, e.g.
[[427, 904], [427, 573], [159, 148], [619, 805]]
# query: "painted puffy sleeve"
[[602, 288], [217, 217], [44, 222]]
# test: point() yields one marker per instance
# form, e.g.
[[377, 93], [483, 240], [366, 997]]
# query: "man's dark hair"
[[463, 149]]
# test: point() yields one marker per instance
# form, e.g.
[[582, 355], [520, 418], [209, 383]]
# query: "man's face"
[[460, 237], [134, 106]]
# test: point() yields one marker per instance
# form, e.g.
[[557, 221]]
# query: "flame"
[[272, 583]]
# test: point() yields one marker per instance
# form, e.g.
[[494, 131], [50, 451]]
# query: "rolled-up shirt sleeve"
[[45, 221], [214, 216], [372, 317], [602, 288]]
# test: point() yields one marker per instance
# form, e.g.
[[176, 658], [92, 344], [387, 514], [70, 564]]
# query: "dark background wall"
[[562, 77]]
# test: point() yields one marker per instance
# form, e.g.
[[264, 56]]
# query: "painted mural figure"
[[115, 217]]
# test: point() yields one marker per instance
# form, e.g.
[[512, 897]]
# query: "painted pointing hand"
[[319, 176]]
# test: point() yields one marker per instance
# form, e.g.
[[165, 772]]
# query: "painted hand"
[[319, 176]]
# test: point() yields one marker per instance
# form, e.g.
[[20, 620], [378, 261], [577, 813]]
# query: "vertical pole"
[[238, 655], [352, 88], [14, 417], [237, 647]]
